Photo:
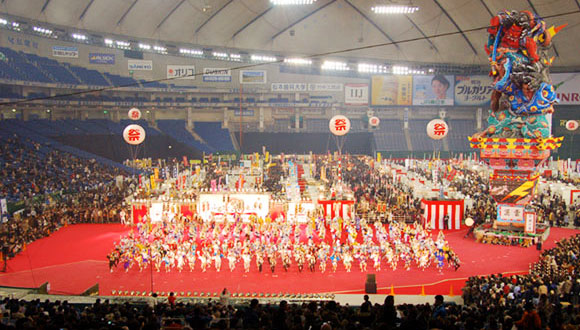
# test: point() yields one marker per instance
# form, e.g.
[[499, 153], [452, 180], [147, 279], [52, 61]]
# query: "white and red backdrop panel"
[[434, 212]]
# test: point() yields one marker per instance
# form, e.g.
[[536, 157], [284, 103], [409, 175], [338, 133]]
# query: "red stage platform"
[[74, 258]]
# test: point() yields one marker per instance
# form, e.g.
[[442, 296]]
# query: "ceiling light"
[[219, 54], [79, 36], [191, 51], [144, 46], [108, 42], [160, 49], [15, 24], [123, 44], [298, 61], [336, 66], [262, 58], [394, 9], [372, 68], [235, 57], [292, 2], [400, 70], [3, 21], [42, 30]]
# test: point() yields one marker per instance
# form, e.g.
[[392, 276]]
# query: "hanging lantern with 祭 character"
[[437, 129], [572, 125], [339, 125], [134, 114], [134, 134], [374, 121]]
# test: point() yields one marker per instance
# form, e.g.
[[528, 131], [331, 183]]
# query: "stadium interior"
[[221, 85]]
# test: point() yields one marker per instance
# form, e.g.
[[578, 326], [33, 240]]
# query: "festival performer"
[[247, 260], [259, 261], [272, 261], [334, 258]]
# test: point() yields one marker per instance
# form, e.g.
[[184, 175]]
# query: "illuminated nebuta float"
[[518, 137]]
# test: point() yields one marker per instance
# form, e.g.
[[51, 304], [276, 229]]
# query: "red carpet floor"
[[74, 258]]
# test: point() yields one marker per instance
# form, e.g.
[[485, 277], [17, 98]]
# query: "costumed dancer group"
[[183, 244]]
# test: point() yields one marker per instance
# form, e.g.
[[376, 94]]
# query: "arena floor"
[[74, 258]]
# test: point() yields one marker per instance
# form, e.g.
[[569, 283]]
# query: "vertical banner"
[[391, 90], [356, 94], [3, 206]]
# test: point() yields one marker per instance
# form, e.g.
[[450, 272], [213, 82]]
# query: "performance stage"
[[74, 258]]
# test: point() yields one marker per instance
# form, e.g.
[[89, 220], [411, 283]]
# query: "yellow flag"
[[153, 180]]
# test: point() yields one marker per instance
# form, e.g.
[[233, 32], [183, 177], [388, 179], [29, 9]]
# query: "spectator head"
[[390, 300], [325, 326], [438, 299]]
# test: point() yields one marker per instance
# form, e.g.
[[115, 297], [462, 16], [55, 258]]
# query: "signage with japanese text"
[[181, 71], [473, 90], [65, 51]]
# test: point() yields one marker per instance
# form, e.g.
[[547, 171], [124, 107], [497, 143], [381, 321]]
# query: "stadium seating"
[[213, 134], [177, 130], [390, 136]]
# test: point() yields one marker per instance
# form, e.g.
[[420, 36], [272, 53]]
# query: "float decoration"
[[518, 137]]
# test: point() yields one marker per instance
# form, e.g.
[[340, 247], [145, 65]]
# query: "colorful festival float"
[[518, 139]]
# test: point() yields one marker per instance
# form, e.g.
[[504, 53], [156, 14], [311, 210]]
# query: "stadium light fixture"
[[334, 66], [123, 44], [3, 21], [394, 9], [220, 54], [235, 57], [263, 58], [42, 30], [291, 2], [78, 36], [160, 49], [145, 46], [15, 25], [298, 61], [109, 42], [402, 70], [372, 68], [195, 52]]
